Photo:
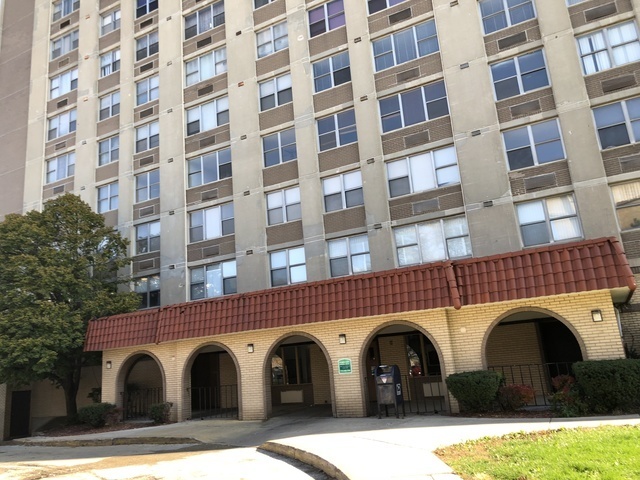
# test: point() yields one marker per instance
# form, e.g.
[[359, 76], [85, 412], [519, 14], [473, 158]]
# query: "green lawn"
[[586, 453]]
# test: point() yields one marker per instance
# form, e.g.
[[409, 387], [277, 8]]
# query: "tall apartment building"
[[313, 188]]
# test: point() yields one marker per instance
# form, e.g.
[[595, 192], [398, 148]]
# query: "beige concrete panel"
[[595, 209], [493, 229]]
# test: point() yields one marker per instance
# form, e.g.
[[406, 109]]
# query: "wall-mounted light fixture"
[[342, 338], [108, 365], [250, 347], [596, 315]]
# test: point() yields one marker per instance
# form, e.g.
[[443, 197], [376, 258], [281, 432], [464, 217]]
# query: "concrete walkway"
[[353, 448]]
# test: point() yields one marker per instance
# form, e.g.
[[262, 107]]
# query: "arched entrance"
[[141, 385], [420, 365], [531, 347], [211, 378], [298, 378]]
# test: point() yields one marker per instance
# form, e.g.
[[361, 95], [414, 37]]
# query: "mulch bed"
[[67, 430]]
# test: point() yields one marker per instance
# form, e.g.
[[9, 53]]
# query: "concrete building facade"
[[259, 145]]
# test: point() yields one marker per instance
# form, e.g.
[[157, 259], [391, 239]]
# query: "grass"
[[603, 453]]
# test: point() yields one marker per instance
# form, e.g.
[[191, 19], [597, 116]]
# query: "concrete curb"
[[304, 457], [108, 442]]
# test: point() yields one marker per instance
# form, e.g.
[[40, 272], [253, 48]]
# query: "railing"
[[220, 401], [421, 395], [537, 376], [136, 402]]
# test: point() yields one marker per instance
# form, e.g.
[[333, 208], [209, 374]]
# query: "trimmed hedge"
[[609, 385], [476, 391], [159, 412], [97, 414], [514, 396]]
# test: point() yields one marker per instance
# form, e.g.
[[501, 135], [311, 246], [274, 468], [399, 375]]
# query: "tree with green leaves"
[[59, 268]]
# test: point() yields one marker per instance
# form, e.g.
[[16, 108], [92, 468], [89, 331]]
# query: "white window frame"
[[194, 69], [261, 3], [443, 241], [387, 4], [603, 57], [107, 196], [108, 150], [574, 2], [394, 37], [63, 83], [332, 72], [279, 88], [218, 162], [214, 280], [148, 185], [347, 187], [198, 19], [150, 134], [327, 17], [629, 121], [283, 206], [61, 125], [148, 237], [60, 167], [147, 90], [145, 287], [109, 62], [519, 75], [109, 22], [353, 250], [215, 113], [626, 198], [422, 172], [534, 143], [267, 43], [143, 7], [549, 220], [109, 106], [280, 148], [288, 261], [62, 8], [64, 44], [147, 45], [212, 222], [425, 102], [506, 10], [338, 130]]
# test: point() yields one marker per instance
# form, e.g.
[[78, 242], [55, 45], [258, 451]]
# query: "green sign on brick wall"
[[344, 365]]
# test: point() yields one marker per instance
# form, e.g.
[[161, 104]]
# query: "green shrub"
[[98, 414], [512, 397], [159, 412], [609, 385], [567, 399], [476, 391]]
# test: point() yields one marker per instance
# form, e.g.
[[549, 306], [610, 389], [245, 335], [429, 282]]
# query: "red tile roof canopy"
[[567, 268]]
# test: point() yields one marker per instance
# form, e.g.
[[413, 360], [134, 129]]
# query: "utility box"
[[389, 389]]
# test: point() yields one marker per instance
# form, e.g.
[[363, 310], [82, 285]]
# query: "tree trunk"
[[70, 387]]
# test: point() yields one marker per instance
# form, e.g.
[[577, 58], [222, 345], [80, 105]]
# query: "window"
[[109, 63], [147, 90], [108, 150], [109, 22], [64, 44], [147, 136], [414, 106], [145, 6], [627, 200], [206, 66], [148, 237], [62, 124], [405, 46], [377, 5], [62, 8], [337, 130], [211, 223], [618, 123], [61, 167], [272, 39], [519, 75], [209, 168], [283, 206], [342, 191], [109, 105], [609, 47], [288, 266], [148, 288], [433, 241], [326, 17], [275, 92], [108, 197], [261, 3], [548, 220], [279, 147], [214, 280], [63, 83], [499, 14], [208, 116], [574, 2], [423, 172], [533, 145], [331, 72], [147, 186], [146, 46], [203, 20], [348, 256]]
